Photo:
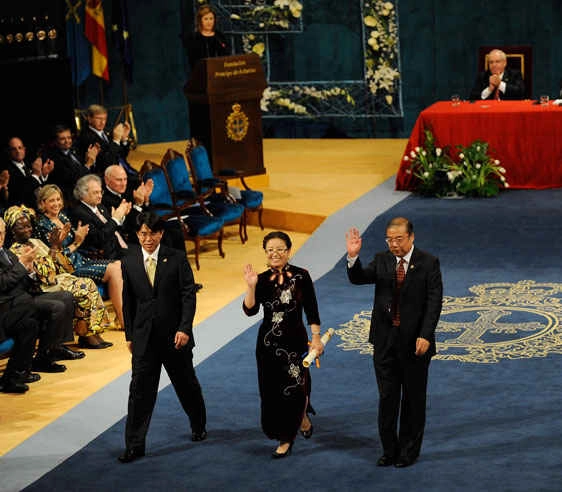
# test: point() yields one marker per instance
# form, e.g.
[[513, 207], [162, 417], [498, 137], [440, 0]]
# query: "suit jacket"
[[14, 280], [66, 171], [167, 307], [110, 152], [110, 199], [101, 239], [421, 297], [21, 189], [514, 85]]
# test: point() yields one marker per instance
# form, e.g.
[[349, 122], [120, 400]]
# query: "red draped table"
[[525, 137]]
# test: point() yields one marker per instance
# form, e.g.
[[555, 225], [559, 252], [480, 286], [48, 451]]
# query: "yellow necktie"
[[151, 269]]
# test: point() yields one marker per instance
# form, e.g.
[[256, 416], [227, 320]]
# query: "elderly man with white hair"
[[498, 82]]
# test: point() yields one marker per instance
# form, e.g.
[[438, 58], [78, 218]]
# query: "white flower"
[[370, 21], [438, 152], [408, 171], [478, 148], [285, 296], [235, 17], [426, 174], [417, 149], [502, 170], [506, 184], [424, 153], [502, 178], [413, 154], [478, 166], [388, 98], [461, 156], [496, 162], [406, 158]]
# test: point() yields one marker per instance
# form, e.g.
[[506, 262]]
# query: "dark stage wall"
[[439, 46]]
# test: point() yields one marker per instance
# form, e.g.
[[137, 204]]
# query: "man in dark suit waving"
[[408, 299], [158, 308]]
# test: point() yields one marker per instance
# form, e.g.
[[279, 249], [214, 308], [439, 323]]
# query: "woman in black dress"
[[206, 42], [284, 291]]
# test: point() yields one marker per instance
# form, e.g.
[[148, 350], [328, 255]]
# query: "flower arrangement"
[[301, 100], [381, 52], [473, 173], [262, 16]]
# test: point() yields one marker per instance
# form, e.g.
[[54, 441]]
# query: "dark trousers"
[[20, 323], [56, 310], [402, 382], [144, 389]]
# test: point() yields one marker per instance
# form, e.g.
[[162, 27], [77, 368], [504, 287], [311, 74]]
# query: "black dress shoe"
[[403, 462], [29, 377], [62, 352], [83, 342], [385, 460], [13, 386], [199, 436], [276, 456], [131, 455], [198, 287], [42, 364]]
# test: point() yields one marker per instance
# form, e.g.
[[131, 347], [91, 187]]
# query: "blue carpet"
[[493, 420]]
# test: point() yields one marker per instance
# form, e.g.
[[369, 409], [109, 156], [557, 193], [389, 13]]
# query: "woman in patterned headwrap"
[[54, 272]]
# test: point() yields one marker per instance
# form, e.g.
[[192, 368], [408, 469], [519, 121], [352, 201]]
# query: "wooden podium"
[[224, 96]]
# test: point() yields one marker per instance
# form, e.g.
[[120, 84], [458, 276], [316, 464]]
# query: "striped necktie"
[[400, 276]]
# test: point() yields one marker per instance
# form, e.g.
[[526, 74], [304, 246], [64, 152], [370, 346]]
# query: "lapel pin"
[[164, 260]]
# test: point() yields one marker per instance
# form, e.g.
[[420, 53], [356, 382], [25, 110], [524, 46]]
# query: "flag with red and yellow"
[[95, 32]]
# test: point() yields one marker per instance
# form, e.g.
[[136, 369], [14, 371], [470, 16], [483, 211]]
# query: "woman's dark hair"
[[278, 235]]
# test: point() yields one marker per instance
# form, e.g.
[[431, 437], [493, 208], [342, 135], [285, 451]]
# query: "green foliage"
[[472, 173]]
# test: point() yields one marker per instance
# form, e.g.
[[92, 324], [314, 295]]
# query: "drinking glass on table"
[[544, 100], [455, 99]]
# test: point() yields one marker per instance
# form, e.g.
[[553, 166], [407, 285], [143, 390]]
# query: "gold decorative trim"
[[499, 321], [237, 124]]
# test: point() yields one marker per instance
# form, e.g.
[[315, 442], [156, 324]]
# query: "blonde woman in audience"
[[51, 218]]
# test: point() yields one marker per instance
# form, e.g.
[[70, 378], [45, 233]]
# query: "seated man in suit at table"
[[498, 82]]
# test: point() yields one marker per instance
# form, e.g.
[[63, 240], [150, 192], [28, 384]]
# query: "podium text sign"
[[224, 96]]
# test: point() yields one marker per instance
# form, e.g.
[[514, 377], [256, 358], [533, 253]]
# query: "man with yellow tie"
[[158, 309]]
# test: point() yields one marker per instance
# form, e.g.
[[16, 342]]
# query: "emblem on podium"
[[237, 124]]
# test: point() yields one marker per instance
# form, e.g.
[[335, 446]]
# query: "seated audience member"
[[22, 325], [25, 179], [19, 287], [69, 166], [4, 181], [52, 218], [498, 82], [54, 272], [116, 190], [114, 147], [105, 234]]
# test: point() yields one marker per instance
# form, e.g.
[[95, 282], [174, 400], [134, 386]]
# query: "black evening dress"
[[282, 343], [199, 47]]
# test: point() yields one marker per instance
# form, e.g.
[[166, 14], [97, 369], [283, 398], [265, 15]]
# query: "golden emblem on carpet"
[[500, 320]]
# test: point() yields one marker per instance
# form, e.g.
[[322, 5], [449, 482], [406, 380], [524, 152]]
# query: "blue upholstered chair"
[[189, 211], [6, 346], [200, 166], [220, 205]]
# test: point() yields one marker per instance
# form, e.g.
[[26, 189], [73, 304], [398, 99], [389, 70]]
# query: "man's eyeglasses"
[[395, 240], [279, 251]]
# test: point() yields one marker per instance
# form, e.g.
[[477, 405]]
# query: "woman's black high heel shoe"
[[275, 455]]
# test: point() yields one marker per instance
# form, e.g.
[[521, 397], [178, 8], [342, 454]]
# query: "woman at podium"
[[207, 41]]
